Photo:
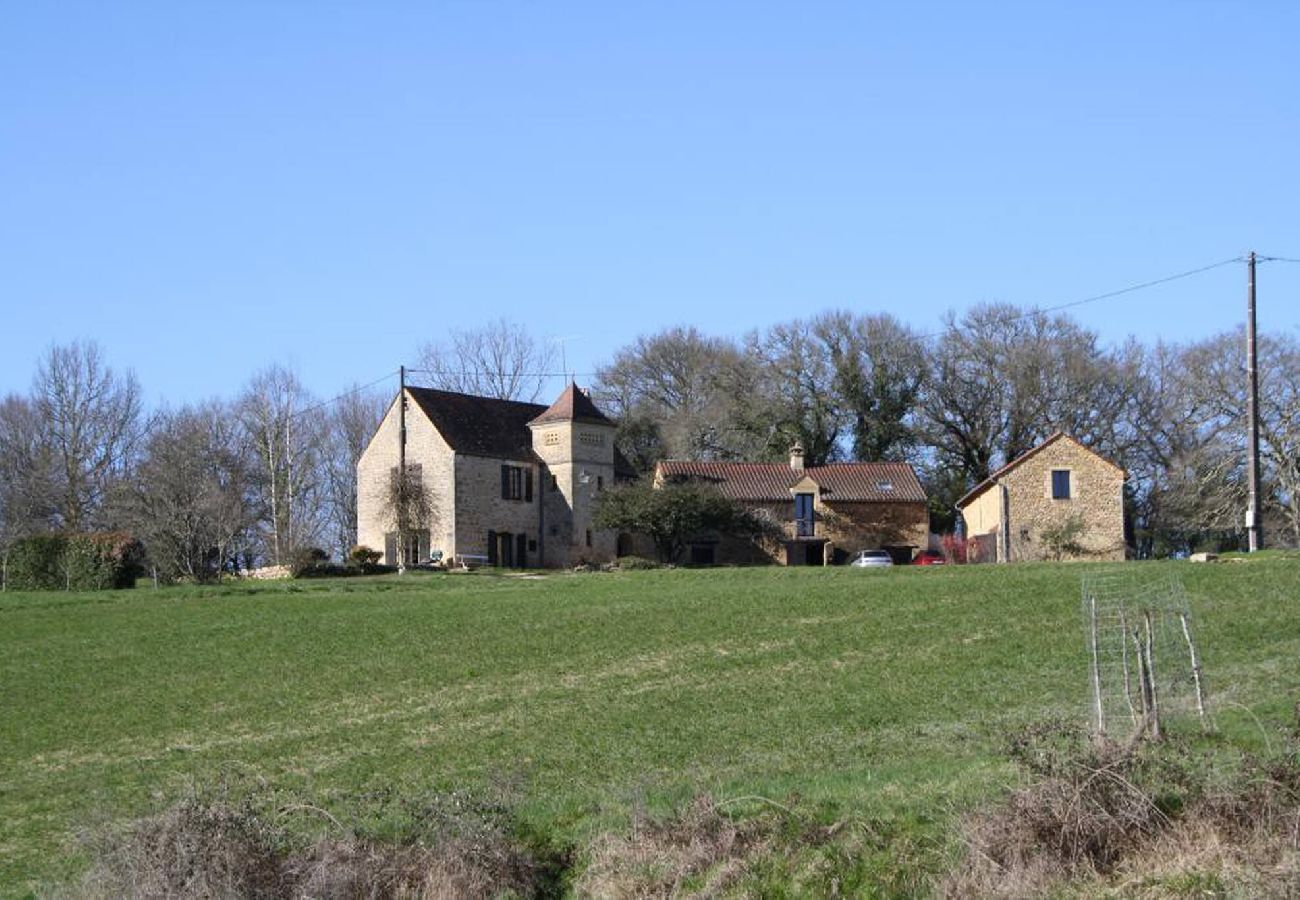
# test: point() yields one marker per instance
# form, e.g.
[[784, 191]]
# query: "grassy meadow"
[[881, 695]]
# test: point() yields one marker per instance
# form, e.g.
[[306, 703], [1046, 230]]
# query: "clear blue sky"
[[208, 188]]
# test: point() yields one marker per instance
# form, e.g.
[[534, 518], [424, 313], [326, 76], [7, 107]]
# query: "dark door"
[[521, 550], [813, 554], [506, 553]]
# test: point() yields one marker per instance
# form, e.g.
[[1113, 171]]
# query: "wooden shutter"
[[505, 482], [528, 486], [521, 550], [492, 548]]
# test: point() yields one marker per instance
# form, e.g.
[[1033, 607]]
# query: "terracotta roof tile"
[[857, 481]]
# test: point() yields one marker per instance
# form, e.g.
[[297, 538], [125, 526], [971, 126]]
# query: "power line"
[[344, 395], [501, 373], [1106, 296], [1286, 259]]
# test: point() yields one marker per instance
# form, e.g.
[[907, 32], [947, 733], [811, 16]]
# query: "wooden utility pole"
[[1253, 536], [401, 469]]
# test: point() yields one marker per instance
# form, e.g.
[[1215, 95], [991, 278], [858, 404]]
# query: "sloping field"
[[886, 695]]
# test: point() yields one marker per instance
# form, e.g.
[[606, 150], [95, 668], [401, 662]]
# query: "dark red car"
[[929, 558]]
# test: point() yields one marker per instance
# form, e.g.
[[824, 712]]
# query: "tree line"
[[985, 388], [230, 483], [209, 487]]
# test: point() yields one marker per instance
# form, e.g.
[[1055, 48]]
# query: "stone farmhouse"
[[512, 484], [826, 513], [1058, 501]]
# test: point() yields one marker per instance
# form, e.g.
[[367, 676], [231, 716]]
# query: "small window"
[[555, 484], [884, 486], [588, 537], [600, 482], [1060, 484], [516, 484]]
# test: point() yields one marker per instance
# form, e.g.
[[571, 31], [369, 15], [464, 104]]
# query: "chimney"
[[796, 457]]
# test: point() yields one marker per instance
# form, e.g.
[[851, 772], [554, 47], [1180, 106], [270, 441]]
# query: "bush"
[[237, 841], [74, 562], [361, 555], [307, 559], [636, 562]]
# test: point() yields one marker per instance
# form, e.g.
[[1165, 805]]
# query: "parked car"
[[929, 558], [871, 559]]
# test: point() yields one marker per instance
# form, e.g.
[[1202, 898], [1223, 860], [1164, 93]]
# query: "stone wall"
[[847, 526], [481, 507], [425, 447], [1096, 503]]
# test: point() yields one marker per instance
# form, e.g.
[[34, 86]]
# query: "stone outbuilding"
[[511, 484], [825, 513], [1060, 500]]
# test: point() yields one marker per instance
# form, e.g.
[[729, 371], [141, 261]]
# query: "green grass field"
[[882, 694]]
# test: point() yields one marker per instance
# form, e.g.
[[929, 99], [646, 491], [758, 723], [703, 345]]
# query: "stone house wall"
[[1096, 502], [481, 507], [425, 446], [847, 526]]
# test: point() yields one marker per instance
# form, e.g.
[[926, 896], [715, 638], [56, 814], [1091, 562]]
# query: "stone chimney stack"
[[796, 457]]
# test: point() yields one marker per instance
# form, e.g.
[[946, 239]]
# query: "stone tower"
[[575, 442]]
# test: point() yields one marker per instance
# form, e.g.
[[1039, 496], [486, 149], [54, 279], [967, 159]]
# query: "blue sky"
[[209, 188]]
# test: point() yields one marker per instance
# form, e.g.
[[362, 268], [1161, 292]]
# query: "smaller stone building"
[[1060, 500], [826, 513]]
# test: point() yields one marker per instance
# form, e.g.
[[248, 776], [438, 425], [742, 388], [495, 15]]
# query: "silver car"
[[871, 559]]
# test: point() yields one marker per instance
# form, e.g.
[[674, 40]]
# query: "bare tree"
[[409, 508], [500, 359], [27, 476], [190, 500], [94, 423], [879, 366], [1280, 425], [284, 432], [349, 426], [794, 396], [675, 391], [1002, 379]]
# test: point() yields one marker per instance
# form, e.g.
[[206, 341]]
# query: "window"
[[600, 482], [588, 537], [517, 483], [884, 486], [555, 484], [803, 515], [1060, 484]]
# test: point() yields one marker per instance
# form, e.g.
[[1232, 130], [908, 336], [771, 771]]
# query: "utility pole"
[[401, 470], [1253, 535]]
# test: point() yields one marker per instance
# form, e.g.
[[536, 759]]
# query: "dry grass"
[[698, 852], [1150, 821], [229, 843]]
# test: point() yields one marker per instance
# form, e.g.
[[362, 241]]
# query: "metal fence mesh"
[[1145, 666]]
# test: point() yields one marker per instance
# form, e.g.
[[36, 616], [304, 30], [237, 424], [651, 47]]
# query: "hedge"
[[73, 562]]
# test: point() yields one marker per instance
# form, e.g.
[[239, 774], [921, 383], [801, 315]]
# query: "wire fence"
[[1145, 666]]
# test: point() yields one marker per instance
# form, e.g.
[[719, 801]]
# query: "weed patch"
[[1158, 818]]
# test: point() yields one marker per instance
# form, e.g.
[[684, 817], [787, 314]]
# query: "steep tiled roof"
[[480, 426], [992, 479], [573, 405], [860, 481]]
